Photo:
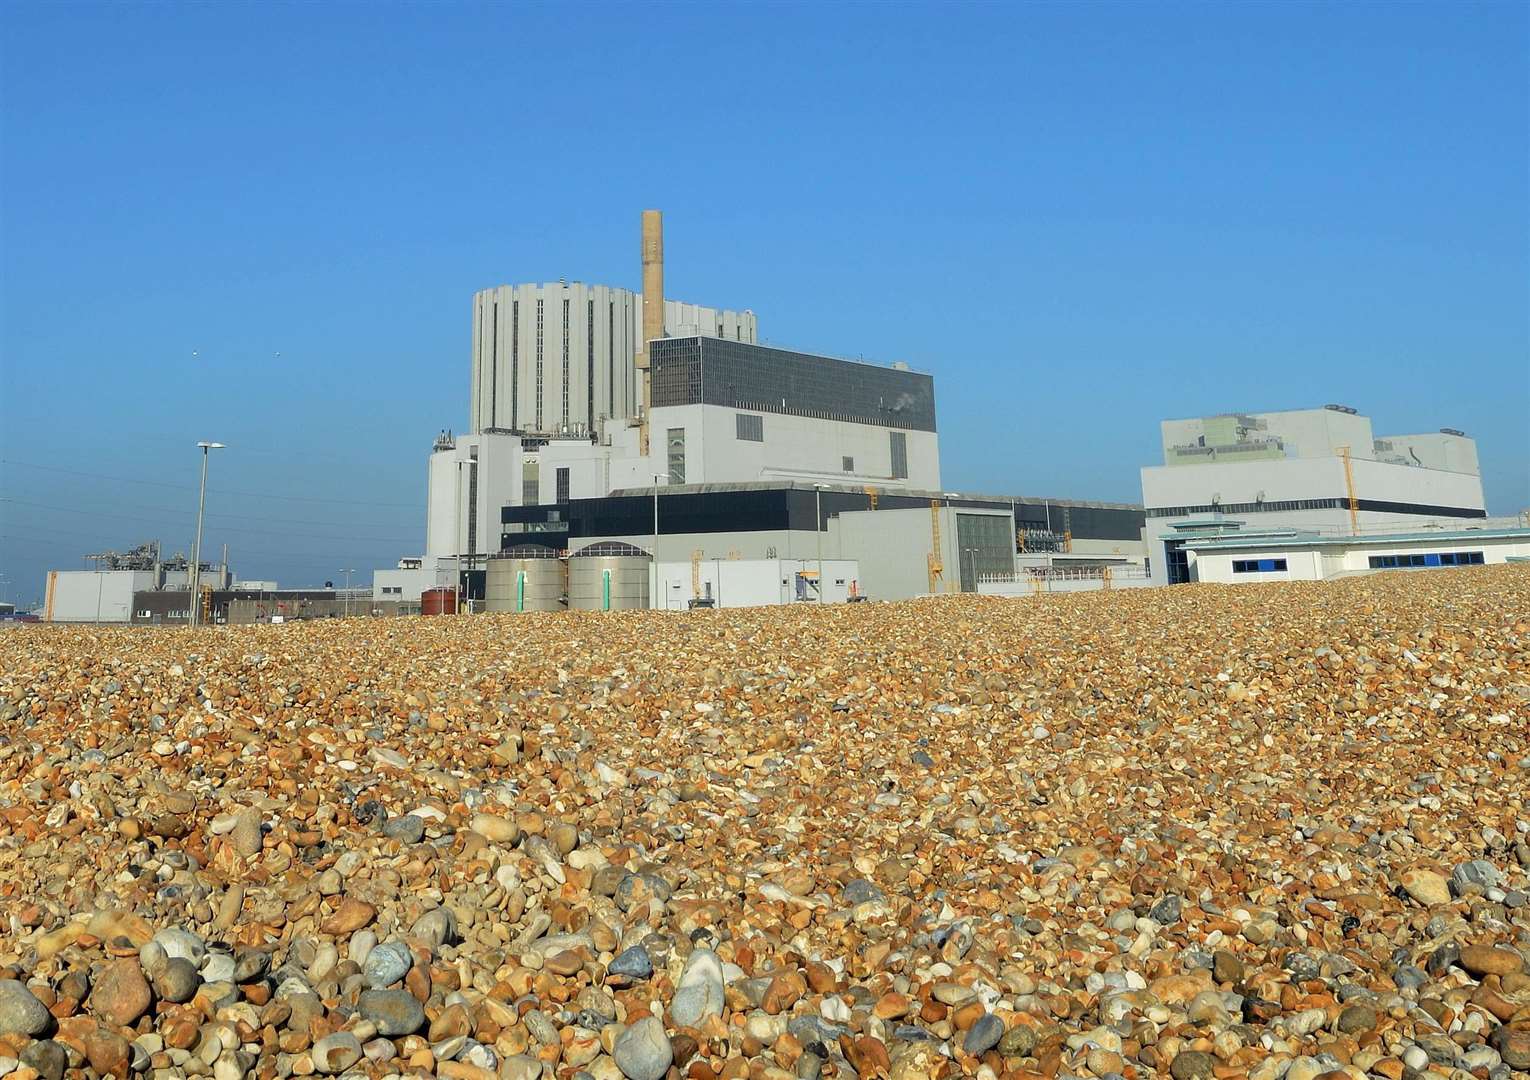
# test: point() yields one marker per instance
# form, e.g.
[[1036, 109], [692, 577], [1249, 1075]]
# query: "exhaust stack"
[[653, 307]]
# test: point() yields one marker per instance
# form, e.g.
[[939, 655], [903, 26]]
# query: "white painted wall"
[[94, 595], [411, 583], [1314, 564], [751, 582], [795, 448]]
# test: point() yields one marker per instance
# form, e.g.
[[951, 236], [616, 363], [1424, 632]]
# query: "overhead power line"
[[192, 487]]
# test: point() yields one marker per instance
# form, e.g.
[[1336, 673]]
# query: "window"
[[1425, 559], [539, 365], [1258, 566], [750, 428], [847, 464], [675, 441], [899, 445], [562, 480]]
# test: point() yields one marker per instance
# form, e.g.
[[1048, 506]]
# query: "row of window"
[[1268, 506], [1432, 558], [1258, 566]]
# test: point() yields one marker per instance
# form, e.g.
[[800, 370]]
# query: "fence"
[[1030, 581]]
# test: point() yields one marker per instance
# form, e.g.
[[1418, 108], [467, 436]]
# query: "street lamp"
[[348, 574], [656, 478], [818, 531], [196, 548]]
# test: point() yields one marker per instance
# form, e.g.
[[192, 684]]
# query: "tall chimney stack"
[[653, 307]]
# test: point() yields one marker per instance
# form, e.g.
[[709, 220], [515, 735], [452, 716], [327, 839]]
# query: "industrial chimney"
[[653, 307]]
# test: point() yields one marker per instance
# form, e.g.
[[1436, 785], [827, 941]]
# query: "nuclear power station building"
[[594, 409]]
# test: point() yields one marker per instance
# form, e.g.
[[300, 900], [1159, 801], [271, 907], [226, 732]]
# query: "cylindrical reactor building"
[[609, 576], [559, 358], [524, 578]]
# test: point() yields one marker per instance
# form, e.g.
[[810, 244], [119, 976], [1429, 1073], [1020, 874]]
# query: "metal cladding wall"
[[608, 582], [524, 583], [438, 602]]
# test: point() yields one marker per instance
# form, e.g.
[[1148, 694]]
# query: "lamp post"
[[957, 541], [656, 478], [347, 601], [818, 532], [196, 548], [457, 547]]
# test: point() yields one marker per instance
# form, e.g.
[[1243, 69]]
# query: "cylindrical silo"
[[608, 577], [439, 601], [524, 578]]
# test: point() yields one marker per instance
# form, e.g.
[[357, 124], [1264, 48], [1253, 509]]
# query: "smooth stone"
[[1167, 910], [219, 967], [121, 994], [633, 963], [395, 1012], [49, 1058], [387, 964], [335, 1053], [21, 1013], [700, 992], [983, 1035], [409, 829], [436, 927], [1425, 886], [643, 1051], [177, 981], [183, 943], [1193, 1065]]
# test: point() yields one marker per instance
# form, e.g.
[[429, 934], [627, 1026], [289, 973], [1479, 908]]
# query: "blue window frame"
[[1426, 559], [1258, 566]]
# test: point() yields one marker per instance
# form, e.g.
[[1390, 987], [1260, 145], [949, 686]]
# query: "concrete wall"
[[752, 582], [93, 595], [1304, 433], [1431, 450], [794, 448], [496, 460], [1307, 478]]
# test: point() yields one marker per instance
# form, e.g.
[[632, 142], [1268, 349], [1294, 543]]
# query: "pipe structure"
[[653, 308]]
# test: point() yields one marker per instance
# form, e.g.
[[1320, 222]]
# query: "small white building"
[[733, 583], [1229, 556], [1310, 470]]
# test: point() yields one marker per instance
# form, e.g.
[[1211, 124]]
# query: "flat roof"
[[1230, 543], [955, 497]]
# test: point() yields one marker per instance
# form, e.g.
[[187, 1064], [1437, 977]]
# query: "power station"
[[603, 417]]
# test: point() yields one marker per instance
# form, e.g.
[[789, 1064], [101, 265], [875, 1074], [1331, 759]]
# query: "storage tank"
[[608, 577], [439, 601], [528, 577]]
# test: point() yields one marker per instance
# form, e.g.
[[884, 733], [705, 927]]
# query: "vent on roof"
[[1452, 431], [1341, 408]]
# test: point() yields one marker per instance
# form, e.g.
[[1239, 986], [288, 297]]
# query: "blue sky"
[[264, 224]]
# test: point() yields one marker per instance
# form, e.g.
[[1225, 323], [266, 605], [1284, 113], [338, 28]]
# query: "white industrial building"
[[732, 583], [592, 407], [558, 358], [1229, 555], [105, 594], [1312, 470]]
